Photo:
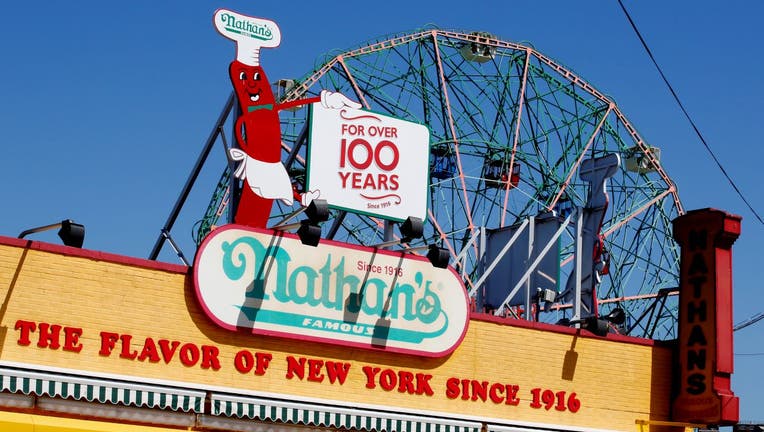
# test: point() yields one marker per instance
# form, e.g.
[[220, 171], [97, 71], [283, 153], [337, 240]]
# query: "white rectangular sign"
[[369, 163]]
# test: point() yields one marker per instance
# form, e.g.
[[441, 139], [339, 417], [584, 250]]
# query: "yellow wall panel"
[[615, 381]]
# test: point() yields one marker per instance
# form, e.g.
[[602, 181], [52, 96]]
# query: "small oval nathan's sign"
[[242, 27], [272, 284]]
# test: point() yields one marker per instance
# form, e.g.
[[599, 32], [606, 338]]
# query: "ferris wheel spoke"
[[359, 94], [653, 161], [626, 218], [516, 134], [467, 208], [582, 154]]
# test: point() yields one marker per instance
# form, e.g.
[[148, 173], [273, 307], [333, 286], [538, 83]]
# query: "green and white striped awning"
[[332, 416], [104, 391]]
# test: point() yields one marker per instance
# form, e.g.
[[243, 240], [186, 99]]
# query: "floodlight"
[[597, 325], [438, 256], [71, 233]]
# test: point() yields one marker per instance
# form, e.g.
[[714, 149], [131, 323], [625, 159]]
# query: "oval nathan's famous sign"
[[272, 284]]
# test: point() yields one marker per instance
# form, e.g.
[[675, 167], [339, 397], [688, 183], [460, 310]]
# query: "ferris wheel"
[[509, 130]]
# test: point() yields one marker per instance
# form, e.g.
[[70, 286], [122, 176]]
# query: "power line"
[[687, 115], [750, 321]]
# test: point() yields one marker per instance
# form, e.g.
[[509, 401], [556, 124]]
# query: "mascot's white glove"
[[308, 197], [337, 100]]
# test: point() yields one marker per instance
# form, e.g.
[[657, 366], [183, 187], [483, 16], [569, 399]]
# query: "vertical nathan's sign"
[[369, 163], [705, 317]]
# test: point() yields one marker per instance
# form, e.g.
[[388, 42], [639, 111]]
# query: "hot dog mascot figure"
[[258, 129]]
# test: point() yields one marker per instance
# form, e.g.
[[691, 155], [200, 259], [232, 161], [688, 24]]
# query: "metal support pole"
[[301, 140], [531, 244], [175, 247], [338, 218], [388, 233], [577, 269], [191, 179], [234, 189]]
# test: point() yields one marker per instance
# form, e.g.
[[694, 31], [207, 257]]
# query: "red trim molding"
[[92, 254], [613, 337]]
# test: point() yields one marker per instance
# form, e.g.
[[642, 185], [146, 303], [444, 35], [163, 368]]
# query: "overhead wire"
[[760, 316], [687, 115], [750, 321]]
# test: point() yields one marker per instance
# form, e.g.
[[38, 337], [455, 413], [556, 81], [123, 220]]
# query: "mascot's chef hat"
[[249, 33]]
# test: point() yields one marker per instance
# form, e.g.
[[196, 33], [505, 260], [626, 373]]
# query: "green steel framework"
[[509, 128]]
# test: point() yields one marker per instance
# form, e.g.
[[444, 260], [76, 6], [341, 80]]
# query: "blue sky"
[[104, 109]]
